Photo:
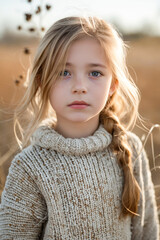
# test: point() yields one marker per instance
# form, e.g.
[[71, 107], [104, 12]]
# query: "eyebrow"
[[89, 65]]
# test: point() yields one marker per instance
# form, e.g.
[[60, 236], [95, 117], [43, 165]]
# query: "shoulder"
[[28, 152], [133, 140], [27, 158], [135, 145]]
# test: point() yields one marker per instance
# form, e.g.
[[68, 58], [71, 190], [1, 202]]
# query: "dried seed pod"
[[19, 27], [17, 82], [32, 29], [38, 10], [28, 16], [26, 51], [48, 7]]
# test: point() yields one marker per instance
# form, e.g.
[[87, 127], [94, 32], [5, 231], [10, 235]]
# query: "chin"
[[79, 121]]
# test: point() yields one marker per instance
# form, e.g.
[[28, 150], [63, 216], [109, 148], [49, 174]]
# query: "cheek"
[[104, 97], [53, 96], [54, 91], [101, 98], [102, 94], [103, 90], [107, 86], [56, 95]]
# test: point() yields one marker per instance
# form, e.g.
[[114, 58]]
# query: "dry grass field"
[[144, 65]]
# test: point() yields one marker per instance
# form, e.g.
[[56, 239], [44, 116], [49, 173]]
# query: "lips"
[[78, 105]]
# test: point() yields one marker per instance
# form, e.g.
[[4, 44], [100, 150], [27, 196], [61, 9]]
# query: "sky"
[[131, 15]]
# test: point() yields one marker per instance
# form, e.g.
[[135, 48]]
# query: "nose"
[[79, 85]]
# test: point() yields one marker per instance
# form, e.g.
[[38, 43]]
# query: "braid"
[[119, 145]]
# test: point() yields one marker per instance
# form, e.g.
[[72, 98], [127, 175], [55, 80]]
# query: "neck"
[[77, 130]]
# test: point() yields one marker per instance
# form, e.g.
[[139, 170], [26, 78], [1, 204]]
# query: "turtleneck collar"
[[47, 137]]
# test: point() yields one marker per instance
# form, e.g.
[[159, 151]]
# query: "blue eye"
[[95, 74], [65, 73]]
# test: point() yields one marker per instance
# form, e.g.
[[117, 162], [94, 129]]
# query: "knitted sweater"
[[69, 189]]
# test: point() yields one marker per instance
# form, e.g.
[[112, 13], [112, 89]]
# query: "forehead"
[[86, 50]]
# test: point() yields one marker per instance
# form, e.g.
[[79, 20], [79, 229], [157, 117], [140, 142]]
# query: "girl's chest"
[[83, 197], [83, 179]]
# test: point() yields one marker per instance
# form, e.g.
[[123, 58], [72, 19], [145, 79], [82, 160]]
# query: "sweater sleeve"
[[151, 225], [22, 208], [146, 225]]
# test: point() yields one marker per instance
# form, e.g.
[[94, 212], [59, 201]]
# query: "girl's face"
[[83, 88]]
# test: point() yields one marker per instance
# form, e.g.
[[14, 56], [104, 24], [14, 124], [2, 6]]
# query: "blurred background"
[[24, 22]]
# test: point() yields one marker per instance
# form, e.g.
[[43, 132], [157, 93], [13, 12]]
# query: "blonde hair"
[[121, 110]]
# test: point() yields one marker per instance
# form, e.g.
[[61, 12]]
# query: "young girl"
[[84, 175]]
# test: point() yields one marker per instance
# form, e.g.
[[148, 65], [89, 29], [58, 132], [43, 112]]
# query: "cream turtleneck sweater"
[[69, 189]]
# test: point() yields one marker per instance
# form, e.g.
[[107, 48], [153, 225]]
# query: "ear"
[[113, 87]]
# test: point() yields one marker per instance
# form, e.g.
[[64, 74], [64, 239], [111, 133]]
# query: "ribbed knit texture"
[[61, 188]]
